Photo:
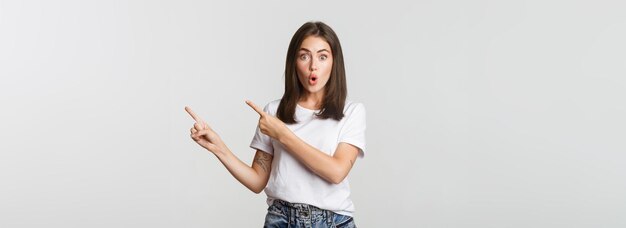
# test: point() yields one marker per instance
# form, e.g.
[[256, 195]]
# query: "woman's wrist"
[[222, 151], [285, 136]]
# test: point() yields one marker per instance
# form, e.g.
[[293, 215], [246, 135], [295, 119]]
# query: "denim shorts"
[[294, 215]]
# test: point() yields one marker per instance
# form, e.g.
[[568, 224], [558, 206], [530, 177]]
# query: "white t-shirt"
[[292, 181]]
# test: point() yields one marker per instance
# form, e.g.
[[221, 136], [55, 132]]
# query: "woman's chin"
[[314, 89]]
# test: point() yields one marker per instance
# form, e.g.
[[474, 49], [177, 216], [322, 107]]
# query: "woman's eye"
[[323, 57], [304, 57]]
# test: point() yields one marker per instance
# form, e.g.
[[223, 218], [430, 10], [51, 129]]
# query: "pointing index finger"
[[256, 108], [193, 115]]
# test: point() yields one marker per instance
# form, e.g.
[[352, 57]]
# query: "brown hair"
[[335, 91]]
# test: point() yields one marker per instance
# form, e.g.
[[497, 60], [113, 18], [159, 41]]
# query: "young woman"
[[307, 142]]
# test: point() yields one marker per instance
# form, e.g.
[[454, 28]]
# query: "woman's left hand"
[[269, 125]]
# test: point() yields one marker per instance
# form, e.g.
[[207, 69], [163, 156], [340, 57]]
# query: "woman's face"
[[314, 62]]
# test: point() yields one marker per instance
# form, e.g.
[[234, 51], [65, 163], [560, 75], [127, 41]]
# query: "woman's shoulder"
[[353, 106], [273, 103], [272, 106]]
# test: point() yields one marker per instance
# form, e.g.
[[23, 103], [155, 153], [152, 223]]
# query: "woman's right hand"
[[254, 177], [202, 133]]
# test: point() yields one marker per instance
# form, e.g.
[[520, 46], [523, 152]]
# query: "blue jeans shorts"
[[282, 214]]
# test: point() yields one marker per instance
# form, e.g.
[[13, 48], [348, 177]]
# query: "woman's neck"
[[312, 101]]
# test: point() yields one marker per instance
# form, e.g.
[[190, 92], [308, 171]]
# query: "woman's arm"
[[254, 178], [332, 168]]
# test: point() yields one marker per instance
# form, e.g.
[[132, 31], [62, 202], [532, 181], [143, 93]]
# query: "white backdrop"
[[480, 113]]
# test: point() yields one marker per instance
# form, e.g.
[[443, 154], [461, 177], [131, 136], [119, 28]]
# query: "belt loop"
[[292, 215], [329, 217]]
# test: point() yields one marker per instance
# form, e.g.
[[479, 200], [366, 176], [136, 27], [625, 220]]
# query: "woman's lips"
[[312, 79]]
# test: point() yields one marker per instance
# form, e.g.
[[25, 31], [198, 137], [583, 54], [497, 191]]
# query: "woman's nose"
[[313, 66]]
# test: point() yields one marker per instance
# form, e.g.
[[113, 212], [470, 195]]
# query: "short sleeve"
[[261, 141], [353, 131]]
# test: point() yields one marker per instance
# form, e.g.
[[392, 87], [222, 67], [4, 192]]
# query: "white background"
[[480, 113]]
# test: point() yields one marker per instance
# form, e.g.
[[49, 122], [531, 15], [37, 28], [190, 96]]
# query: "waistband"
[[302, 210]]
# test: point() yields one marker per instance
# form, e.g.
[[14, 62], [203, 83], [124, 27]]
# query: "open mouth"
[[313, 79]]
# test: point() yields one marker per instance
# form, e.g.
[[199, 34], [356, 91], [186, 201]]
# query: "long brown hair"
[[335, 91]]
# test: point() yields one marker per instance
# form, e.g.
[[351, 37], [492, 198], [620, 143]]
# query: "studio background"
[[480, 113]]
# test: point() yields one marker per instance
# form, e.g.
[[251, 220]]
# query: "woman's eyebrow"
[[322, 50], [307, 50]]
